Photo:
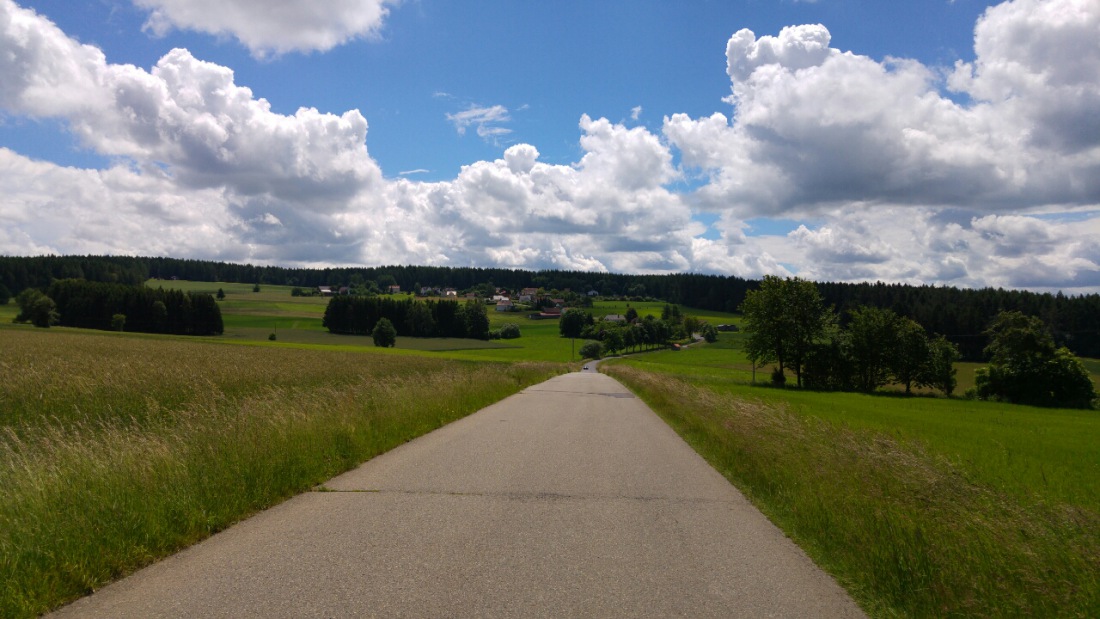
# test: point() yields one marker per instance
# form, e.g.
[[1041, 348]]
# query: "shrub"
[[779, 379], [118, 322], [591, 350], [384, 333], [510, 331]]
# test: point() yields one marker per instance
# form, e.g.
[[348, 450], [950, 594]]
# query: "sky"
[[939, 142]]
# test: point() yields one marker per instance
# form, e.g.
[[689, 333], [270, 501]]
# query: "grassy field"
[[251, 317], [117, 449], [919, 506]]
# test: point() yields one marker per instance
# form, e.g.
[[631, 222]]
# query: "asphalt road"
[[570, 499]]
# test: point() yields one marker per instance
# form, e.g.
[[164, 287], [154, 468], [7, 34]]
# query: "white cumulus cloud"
[[269, 27]]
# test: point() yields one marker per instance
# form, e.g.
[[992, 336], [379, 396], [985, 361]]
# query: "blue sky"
[[946, 142]]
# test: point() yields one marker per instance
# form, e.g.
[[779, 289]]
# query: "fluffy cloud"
[[950, 248], [814, 127], [186, 114], [610, 211], [998, 186], [266, 27]]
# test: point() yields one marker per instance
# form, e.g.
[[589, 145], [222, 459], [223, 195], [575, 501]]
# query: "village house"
[[504, 305], [324, 291], [394, 289]]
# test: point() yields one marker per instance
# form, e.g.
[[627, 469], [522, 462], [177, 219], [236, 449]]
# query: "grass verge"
[[116, 451], [907, 530]]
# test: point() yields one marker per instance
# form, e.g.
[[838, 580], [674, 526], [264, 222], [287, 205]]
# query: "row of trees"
[[633, 333], [789, 324], [960, 314], [97, 305], [409, 317]]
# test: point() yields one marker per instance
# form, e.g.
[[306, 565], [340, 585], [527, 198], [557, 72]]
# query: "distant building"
[[395, 289], [615, 318], [324, 291], [504, 306]]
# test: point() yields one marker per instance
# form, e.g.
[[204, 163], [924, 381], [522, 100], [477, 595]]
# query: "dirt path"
[[570, 499]]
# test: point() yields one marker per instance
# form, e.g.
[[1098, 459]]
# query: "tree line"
[[409, 317], [121, 307], [961, 315], [790, 325]]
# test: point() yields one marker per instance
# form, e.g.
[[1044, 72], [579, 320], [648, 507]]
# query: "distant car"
[[586, 366]]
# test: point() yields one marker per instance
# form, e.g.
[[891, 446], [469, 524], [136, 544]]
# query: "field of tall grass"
[[920, 507], [118, 449]]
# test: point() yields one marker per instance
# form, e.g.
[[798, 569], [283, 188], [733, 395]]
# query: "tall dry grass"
[[116, 451], [904, 530]]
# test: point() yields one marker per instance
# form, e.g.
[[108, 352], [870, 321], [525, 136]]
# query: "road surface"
[[570, 499]]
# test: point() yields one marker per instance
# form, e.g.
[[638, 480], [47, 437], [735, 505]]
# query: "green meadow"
[[921, 506], [117, 449]]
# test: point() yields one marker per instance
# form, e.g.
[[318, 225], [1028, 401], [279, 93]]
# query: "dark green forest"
[[410, 317], [95, 305], [962, 315]]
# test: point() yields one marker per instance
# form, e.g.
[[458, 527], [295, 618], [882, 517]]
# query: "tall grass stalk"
[[906, 531], [125, 461]]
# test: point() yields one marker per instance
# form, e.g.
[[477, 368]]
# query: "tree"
[[571, 323], [710, 332], [940, 369], [36, 308], [1026, 368], [256, 287], [613, 340], [477, 320], [631, 314], [784, 317], [910, 356], [384, 333], [221, 293], [5, 294], [591, 350], [419, 321], [873, 334], [509, 331], [118, 322]]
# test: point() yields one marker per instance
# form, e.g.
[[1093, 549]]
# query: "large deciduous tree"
[[784, 317], [873, 334], [36, 308], [1025, 367]]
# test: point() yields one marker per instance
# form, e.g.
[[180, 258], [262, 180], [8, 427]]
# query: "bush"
[[118, 322], [384, 333], [509, 331], [591, 350], [779, 379], [36, 308]]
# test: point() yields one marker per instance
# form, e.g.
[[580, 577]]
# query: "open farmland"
[[117, 449], [920, 506]]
